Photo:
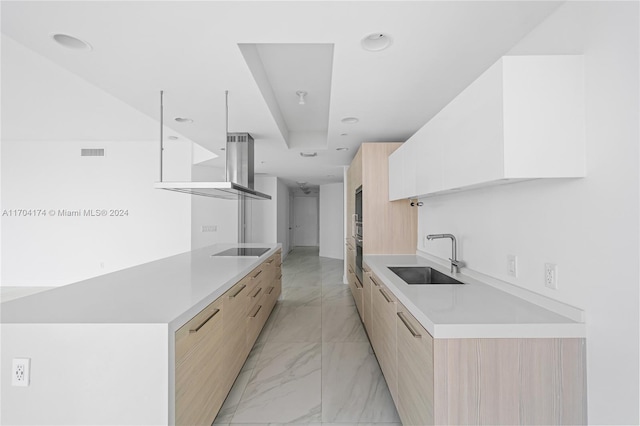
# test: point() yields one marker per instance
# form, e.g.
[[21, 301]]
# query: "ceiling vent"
[[92, 152]]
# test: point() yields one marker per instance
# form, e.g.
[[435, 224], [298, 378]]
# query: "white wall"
[[332, 220], [96, 381], [206, 211], [262, 223], [48, 115], [54, 250], [588, 227]]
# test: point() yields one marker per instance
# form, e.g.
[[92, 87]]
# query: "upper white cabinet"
[[521, 119]]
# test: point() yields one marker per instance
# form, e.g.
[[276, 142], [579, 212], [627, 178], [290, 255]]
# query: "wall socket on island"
[[21, 372]]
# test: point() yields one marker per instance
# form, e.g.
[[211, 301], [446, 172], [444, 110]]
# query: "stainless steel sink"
[[422, 275]]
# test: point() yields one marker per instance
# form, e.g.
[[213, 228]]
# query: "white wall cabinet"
[[521, 119]]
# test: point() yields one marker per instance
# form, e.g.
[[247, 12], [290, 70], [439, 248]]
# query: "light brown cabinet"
[[384, 309], [366, 299], [415, 370], [389, 227], [474, 380], [211, 348], [199, 361]]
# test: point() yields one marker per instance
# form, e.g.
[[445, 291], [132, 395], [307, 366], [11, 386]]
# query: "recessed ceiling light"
[[173, 138], [342, 148], [183, 120], [222, 149], [71, 42], [308, 154], [350, 120], [344, 134], [376, 42]]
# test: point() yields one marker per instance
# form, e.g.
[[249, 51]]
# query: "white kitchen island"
[[102, 350]]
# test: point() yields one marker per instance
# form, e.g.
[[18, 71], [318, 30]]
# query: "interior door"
[[305, 214], [291, 241]]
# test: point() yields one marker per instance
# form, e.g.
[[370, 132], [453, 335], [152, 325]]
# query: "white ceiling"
[[191, 51]]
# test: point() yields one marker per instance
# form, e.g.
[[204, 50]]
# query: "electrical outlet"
[[20, 373], [512, 265], [209, 228], [551, 275]]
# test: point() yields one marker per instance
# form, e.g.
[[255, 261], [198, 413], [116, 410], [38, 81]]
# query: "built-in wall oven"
[[358, 232]]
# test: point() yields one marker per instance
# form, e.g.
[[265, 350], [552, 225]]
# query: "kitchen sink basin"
[[422, 275]]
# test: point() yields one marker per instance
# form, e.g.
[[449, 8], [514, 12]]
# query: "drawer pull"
[[358, 282], [257, 293], [256, 275], [385, 296], [409, 326], [242, 287], [256, 312], [280, 277], [374, 282], [271, 290], [195, 330], [269, 262]]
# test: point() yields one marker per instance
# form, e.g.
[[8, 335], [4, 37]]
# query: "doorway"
[[305, 221]]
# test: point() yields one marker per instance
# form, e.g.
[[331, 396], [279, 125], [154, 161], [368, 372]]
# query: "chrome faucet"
[[455, 263]]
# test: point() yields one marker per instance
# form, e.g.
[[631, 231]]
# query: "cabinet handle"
[[358, 282], [257, 293], [256, 312], [238, 292], [409, 326], [374, 282], [270, 290], [279, 278], [385, 296], [269, 262], [350, 270], [256, 275], [195, 330]]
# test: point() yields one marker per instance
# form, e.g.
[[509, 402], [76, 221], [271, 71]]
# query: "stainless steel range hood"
[[239, 170]]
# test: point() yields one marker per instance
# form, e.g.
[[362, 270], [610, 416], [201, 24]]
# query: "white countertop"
[[167, 291], [472, 310]]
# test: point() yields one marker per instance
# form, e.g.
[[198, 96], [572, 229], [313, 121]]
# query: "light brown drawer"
[[189, 335], [385, 310], [255, 320], [415, 371], [200, 387], [255, 277]]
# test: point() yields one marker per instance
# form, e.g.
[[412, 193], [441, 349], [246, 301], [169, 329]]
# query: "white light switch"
[[512, 265], [551, 275]]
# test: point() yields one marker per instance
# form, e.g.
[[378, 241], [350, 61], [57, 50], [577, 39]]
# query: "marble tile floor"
[[312, 363]]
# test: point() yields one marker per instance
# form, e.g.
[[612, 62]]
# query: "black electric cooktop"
[[243, 251]]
